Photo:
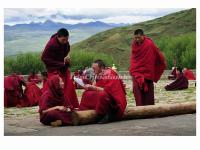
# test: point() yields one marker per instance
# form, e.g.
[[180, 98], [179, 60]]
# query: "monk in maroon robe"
[[32, 95], [52, 107], [146, 66], [180, 83], [33, 78], [107, 96], [56, 59], [189, 74], [13, 91]]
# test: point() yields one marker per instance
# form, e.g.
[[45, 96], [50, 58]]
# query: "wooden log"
[[160, 110], [83, 117], [139, 112]]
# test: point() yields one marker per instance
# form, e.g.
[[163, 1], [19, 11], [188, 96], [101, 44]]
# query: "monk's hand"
[[89, 87], [67, 60]]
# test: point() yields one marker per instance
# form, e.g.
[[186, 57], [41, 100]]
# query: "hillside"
[[116, 42]]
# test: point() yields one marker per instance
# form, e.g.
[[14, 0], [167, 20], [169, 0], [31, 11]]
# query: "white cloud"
[[127, 19], [72, 16]]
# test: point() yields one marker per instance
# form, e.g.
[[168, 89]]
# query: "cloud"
[[73, 16]]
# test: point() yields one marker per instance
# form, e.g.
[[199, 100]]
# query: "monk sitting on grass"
[[180, 83]]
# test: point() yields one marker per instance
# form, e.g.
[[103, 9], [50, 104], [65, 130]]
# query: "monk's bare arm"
[[50, 109], [61, 108]]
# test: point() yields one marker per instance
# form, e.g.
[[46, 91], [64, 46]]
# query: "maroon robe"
[[180, 83], [52, 97], [32, 95], [53, 58], [146, 66], [13, 91], [189, 75], [112, 100]]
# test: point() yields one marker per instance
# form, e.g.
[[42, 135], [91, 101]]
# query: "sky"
[[14, 16]]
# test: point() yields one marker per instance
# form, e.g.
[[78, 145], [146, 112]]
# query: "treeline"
[[27, 62], [181, 48]]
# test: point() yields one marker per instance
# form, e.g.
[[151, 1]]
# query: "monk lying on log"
[[139, 112]]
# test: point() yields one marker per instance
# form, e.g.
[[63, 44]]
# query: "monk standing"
[[106, 96], [146, 66], [57, 62]]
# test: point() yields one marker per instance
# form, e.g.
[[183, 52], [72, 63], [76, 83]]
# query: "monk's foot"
[[75, 118], [56, 123]]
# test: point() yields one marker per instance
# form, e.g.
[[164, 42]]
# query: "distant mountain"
[[51, 25], [32, 37]]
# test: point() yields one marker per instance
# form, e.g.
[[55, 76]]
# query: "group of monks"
[[106, 94], [21, 93]]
